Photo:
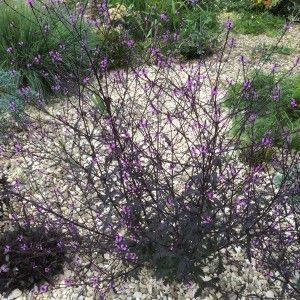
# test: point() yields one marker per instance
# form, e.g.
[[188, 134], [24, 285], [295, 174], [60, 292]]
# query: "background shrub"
[[269, 108], [40, 45], [199, 32], [258, 23], [10, 100]]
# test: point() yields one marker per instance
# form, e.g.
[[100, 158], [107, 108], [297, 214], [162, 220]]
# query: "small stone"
[[15, 294], [270, 294], [137, 295]]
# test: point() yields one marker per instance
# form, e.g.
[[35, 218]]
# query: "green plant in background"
[[265, 51], [42, 48], [199, 33], [291, 178], [195, 26], [258, 23], [235, 5], [287, 8], [269, 110], [296, 92], [10, 101]]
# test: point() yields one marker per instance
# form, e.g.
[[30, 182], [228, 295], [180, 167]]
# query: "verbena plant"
[[140, 170]]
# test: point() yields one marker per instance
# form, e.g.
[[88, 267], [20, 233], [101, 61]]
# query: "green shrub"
[[258, 23], [265, 51], [197, 26], [287, 8], [42, 48], [199, 33], [235, 5], [264, 111], [10, 101]]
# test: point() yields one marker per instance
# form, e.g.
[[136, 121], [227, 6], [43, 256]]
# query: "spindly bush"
[[140, 169]]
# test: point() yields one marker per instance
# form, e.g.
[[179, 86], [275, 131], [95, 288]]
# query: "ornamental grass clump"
[[141, 170], [41, 44]]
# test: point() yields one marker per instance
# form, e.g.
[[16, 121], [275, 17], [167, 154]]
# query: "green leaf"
[[98, 101]]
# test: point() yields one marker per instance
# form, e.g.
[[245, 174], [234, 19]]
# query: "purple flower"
[[266, 141], [163, 17], [274, 68], [4, 268], [104, 64], [228, 24], [118, 238], [276, 92], [12, 106], [130, 43], [37, 59], [232, 42], [30, 2], [6, 249], [294, 103], [242, 59], [77, 260], [86, 80], [68, 282], [43, 288], [55, 55], [9, 50], [175, 36], [287, 26], [214, 91]]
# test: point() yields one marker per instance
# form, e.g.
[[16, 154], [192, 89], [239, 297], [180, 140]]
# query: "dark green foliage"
[[199, 33], [29, 256], [274, 117], [258, 23], [235, 5], [196, 26], [265, 51], [296, 92]]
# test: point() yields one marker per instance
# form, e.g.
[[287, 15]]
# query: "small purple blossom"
[[163, 17], [214, 91], [266, 141], [294, 103], [229, 23], [43, 288]]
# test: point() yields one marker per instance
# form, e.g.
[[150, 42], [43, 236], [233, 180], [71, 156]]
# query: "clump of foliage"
[[13, 100], [258, 23], [42, 47], [265, 51], [199, 33], [10, 101], [268, 109], [189, 29], [287, 8], [30, 255]]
